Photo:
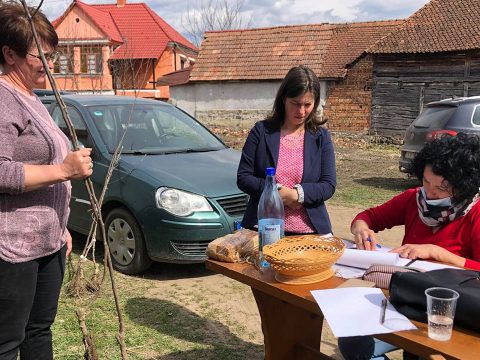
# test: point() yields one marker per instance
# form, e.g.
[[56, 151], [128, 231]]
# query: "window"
[[77, 121], [476, 115], [91, 60], [435, 116], [64, 65], [151, 129]]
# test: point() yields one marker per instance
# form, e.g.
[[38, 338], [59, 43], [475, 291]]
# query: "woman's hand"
[[78, 164], [429, 251], [69, 243], [289, 197], [418, 251], [364, 237]]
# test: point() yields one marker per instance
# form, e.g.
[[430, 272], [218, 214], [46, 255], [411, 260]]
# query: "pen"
[[383, 310], [410, 262], [369, 239]]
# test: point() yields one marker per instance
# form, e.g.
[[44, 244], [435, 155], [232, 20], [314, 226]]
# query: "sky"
[[266, 13]]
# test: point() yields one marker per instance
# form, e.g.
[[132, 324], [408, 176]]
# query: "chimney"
[[121, 3]]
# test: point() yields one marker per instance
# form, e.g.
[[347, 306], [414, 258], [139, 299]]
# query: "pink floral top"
[[290, 172]]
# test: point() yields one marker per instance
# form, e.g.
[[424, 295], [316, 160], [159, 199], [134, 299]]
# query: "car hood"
[[212, 173]]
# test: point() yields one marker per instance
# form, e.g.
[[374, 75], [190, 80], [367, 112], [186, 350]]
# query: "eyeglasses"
[[53, 57]]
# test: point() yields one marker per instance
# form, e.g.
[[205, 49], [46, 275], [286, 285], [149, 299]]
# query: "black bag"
[[407, 294]]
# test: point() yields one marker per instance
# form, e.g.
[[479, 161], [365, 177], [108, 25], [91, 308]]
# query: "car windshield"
[[151, 129], [434, 116]]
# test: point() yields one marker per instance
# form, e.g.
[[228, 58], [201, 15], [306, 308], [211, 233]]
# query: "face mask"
[[445, 202]]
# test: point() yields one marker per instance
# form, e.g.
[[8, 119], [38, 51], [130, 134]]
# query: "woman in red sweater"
[[441, 218]]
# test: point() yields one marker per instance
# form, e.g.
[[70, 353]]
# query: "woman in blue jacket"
[[292, 140]]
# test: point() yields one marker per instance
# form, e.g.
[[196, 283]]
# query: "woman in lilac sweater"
[[36, 165]]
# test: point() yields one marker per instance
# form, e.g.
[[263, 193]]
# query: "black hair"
[[298, 81], [456, 159]]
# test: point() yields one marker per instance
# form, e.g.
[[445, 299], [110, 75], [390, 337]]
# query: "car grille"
[[235, 205], [196, 249]]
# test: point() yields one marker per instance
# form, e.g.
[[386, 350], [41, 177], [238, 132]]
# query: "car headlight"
[[180, 203]]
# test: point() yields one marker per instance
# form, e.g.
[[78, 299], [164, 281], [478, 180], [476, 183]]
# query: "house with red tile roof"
[[433, 55], [237, 72], [120, 48]]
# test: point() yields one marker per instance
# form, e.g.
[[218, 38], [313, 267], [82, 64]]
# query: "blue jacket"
[[319, 180]]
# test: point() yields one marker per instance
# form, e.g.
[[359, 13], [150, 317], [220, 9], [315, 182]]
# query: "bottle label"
[[270, 230], [270, 234]]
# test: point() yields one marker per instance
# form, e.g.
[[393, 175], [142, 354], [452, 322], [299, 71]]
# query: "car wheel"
[[126, 243]]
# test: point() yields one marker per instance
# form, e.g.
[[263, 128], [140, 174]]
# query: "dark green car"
[[173, 190]]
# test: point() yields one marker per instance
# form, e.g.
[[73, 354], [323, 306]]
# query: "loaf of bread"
[[234, 247]]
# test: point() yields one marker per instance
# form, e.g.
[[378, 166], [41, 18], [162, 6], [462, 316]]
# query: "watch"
[[301, 194]]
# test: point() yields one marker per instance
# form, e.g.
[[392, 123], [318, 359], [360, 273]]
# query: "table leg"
[[287, 329]]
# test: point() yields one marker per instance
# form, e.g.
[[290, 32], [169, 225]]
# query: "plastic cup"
[[441, 304]]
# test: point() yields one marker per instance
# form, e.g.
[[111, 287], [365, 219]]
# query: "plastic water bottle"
[[271, 215]]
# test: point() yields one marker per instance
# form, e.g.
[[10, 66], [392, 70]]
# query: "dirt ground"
[[229, 303]]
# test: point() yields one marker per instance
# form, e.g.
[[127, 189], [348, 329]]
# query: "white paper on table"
[[364, 259], [347, 272], [356, 311], [427, 265]]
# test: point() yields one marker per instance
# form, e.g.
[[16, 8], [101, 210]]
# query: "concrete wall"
[[233, 104]]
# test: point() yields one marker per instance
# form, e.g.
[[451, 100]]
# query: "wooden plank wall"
[[403, 83]]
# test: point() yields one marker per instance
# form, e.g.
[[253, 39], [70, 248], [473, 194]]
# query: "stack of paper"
[[353, 262], [364, 259]]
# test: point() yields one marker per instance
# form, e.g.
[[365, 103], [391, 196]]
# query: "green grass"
[[156, 327], [368, 176]]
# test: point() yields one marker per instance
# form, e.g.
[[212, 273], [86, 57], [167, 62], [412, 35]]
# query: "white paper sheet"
[[356, 311], [364, 259], [427, 265], [347, 272]]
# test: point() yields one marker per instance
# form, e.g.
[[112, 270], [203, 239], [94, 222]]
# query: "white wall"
[[198, 98], [224, 96]]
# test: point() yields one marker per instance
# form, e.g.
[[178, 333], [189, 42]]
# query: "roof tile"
[[268, 53], [142, 33], [440, 25]]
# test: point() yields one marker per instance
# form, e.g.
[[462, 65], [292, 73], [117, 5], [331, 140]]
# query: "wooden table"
[[292, 320]]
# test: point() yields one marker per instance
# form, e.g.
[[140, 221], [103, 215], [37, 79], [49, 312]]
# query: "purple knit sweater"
[[32, 224]]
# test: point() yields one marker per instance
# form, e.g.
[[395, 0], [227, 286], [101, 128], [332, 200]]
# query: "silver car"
[[438, 119]]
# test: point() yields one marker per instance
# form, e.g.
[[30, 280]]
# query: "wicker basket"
[[304, 259]]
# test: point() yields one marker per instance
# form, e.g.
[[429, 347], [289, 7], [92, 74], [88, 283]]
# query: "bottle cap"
[[270, 171]]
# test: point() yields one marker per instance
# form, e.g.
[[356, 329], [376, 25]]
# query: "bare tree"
[[214, 15]]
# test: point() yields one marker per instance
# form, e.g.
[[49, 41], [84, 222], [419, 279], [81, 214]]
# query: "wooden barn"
[[433, 55]]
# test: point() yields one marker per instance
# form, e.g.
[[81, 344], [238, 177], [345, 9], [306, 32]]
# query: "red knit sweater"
[[461, 236]]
